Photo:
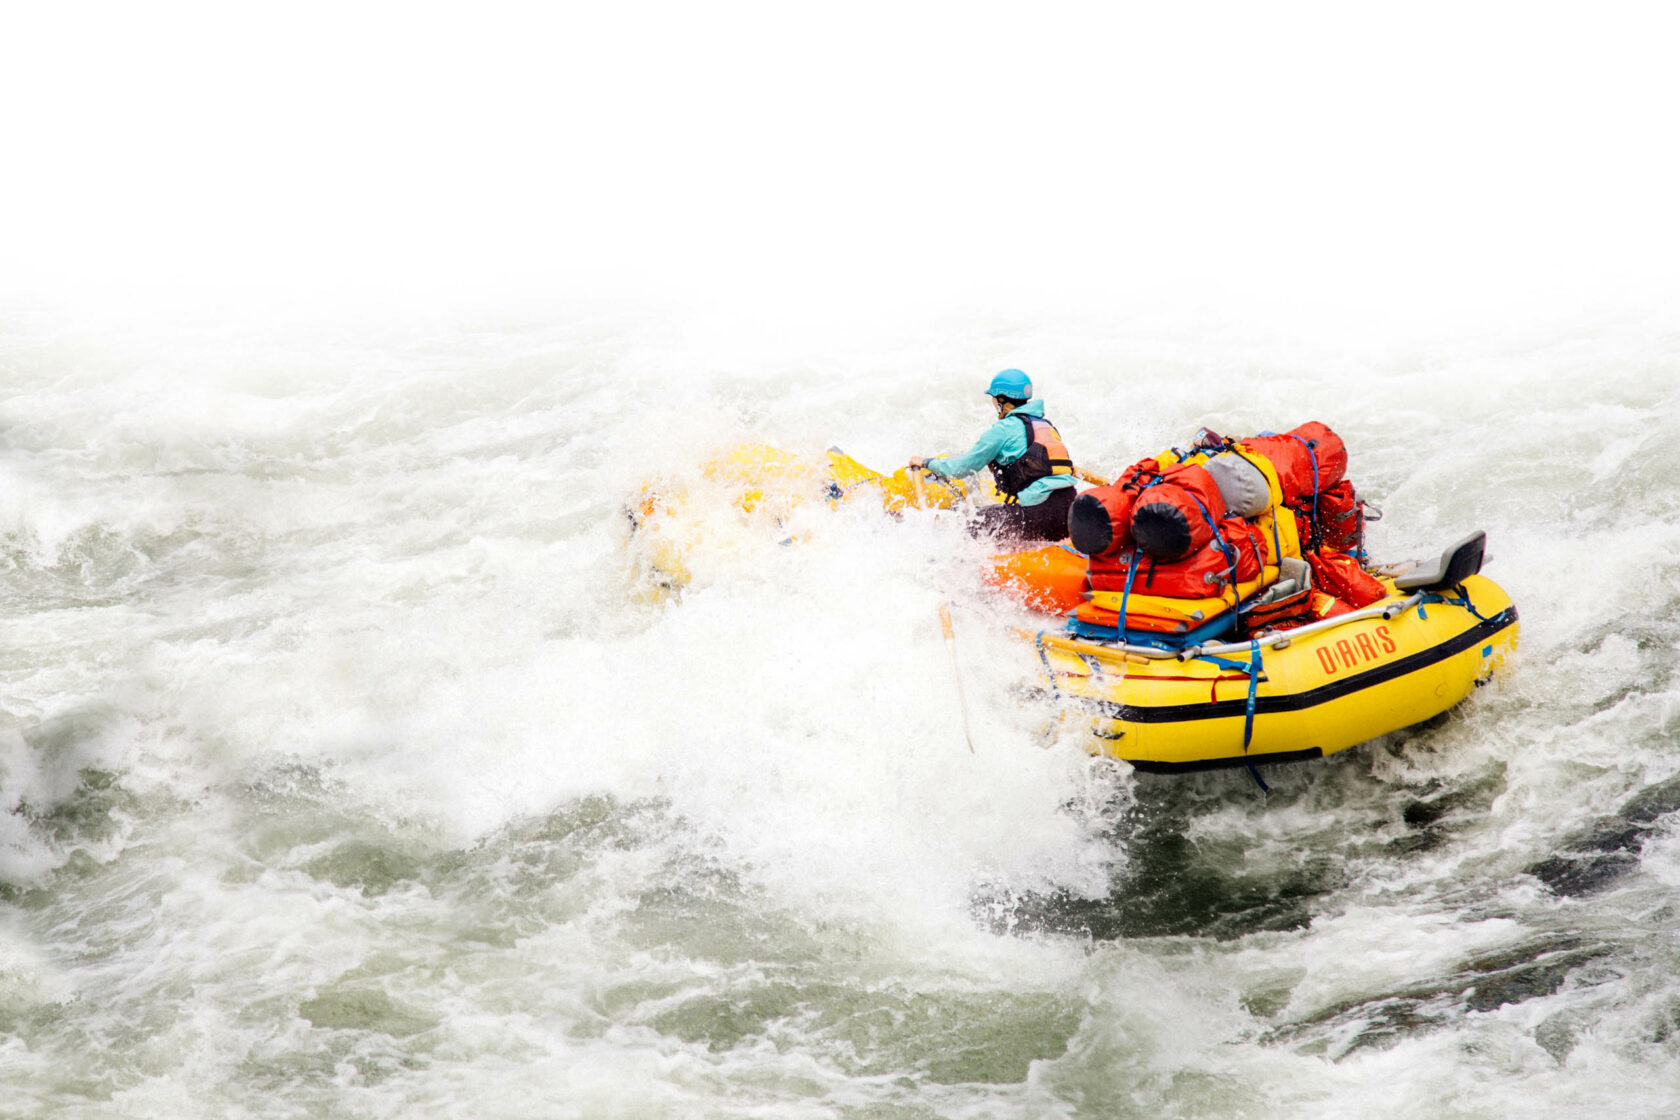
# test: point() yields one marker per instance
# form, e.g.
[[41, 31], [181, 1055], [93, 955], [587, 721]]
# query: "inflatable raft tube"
[[1293, 695]]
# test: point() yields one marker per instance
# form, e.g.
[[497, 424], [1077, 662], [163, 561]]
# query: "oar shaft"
[[956, 671]]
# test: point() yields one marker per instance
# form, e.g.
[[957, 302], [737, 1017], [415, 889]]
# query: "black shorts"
[[1013, 524]]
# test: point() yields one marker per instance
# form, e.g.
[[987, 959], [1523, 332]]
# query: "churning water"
[[349, 766]]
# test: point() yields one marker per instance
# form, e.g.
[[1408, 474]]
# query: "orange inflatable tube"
[[1049, 579]]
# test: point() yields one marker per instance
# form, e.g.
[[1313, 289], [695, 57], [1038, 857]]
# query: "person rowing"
[[1028, 461]]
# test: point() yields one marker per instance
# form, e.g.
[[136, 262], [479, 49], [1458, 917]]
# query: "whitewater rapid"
[[350, 766]]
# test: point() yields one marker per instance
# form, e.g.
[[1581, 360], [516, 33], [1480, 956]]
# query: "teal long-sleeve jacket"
[[1002, 443]]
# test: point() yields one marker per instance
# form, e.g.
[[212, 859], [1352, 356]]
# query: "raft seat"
[[1459, 562]]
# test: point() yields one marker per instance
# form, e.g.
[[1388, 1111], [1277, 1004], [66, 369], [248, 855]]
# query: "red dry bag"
[[1174, 517], [1308, 459], [1341, 576]]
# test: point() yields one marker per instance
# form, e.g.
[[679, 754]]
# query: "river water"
[[349, 766]]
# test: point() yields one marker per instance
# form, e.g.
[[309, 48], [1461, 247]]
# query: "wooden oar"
[[956, 671], [1084, 475]]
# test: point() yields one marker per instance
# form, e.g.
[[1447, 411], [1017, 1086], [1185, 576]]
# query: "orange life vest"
[[1046, 455]]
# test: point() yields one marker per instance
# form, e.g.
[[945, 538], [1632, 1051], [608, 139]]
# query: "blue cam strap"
[[1463, 600], [1248, 713], [1253, 690], [1126, 592], [1312, 456], [1226, 549], [1253, 667]]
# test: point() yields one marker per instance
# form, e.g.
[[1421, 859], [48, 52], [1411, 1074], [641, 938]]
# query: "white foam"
[[393, 564]]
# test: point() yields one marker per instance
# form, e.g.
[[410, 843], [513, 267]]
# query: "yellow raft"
[[1293, 694], [753, 491], [1288, 695]]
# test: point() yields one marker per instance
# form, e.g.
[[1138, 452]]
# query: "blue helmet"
[[1011, 383]]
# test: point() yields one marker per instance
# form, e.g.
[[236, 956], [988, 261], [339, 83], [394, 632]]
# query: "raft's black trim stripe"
[[1150, 766], [1294, 702]]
